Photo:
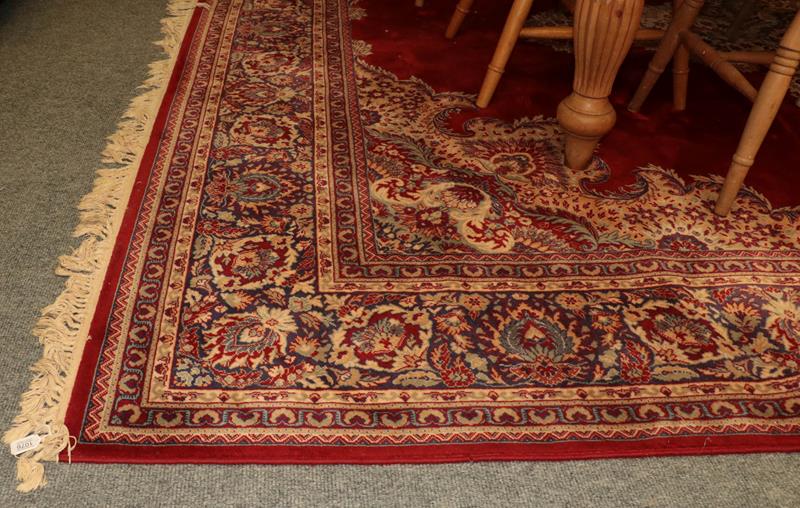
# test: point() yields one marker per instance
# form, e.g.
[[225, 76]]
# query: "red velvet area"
[[701, 140]]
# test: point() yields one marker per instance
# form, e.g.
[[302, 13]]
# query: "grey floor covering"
[[67, 70]]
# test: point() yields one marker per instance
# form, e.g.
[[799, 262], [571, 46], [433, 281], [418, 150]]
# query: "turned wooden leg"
[[682, 20], [769, 99], [508, 39], [604, 32], [462, 9], [680, 70]]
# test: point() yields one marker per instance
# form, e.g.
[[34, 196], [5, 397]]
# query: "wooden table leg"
[[604, 31]]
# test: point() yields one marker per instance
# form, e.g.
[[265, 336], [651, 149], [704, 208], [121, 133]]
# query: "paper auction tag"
[[25, 444]]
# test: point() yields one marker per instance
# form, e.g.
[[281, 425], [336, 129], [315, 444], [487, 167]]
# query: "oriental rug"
[[327, 259]]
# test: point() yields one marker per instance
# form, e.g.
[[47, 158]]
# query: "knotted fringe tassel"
[[63, 328]]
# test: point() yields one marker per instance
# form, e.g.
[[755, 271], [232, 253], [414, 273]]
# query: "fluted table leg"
[[604, 31]]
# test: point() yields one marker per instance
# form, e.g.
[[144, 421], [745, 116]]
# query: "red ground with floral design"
[[327, 260]]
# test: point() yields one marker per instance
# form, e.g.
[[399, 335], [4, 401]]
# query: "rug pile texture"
[[329, 255]]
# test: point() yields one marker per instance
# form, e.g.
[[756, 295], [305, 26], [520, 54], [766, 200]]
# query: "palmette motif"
[[323, 256]]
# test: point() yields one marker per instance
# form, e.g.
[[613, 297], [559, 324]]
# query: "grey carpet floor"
[[67, 70]]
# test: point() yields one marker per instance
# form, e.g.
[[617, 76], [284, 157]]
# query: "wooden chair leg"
[[769, 99], [680, 70], [461, 11], [508, 39], [717, 63], [683, 20]]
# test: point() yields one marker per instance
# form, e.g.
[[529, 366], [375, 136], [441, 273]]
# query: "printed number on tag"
[[25, 444]]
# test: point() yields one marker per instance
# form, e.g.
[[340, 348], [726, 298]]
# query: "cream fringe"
[[63, 327]]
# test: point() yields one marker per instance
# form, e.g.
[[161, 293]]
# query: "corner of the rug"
[[63, 327]]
